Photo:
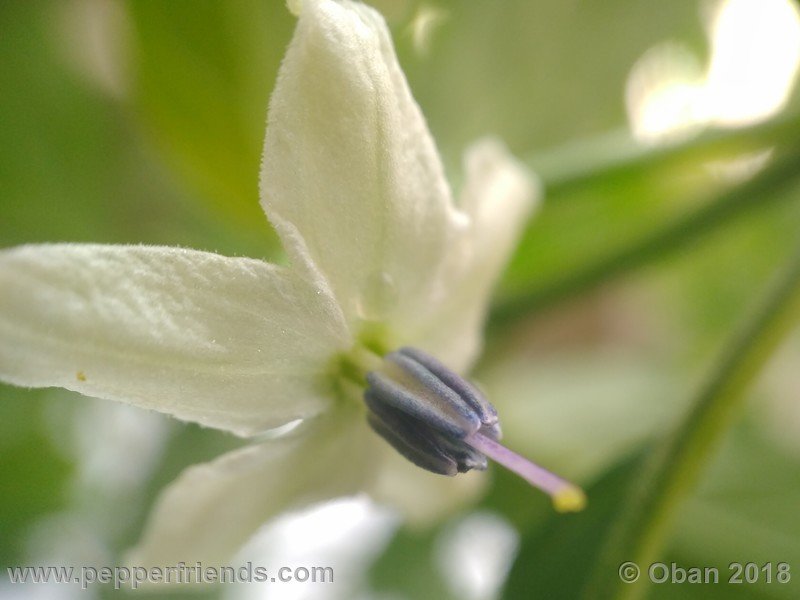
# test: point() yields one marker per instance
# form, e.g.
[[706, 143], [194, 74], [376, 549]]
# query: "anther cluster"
[[426, 412]]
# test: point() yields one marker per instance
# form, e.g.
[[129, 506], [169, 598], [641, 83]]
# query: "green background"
[[600, 336]]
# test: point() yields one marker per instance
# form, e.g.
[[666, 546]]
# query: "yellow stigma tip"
[[569, 499]]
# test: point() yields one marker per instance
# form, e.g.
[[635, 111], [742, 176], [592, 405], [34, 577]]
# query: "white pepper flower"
[[383, 262]]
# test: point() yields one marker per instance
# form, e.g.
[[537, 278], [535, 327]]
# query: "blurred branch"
[[728, 204], [579, 163], [675, 466]]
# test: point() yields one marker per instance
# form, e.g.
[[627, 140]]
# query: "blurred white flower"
[[380, 258], [749, 77]]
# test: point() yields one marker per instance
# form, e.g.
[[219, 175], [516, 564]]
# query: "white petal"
[[420, 496], [351, 177], [212, 509], [232, 343], [498, 196]]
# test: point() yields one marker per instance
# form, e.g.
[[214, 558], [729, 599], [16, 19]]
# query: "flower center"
[[441, 422]]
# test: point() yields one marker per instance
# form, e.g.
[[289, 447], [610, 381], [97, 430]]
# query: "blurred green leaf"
[[742, 512], [675, 465], [33, 474], [571, 556], [556, 558], [71, 166], [408, 567], [55, 171], [576, 245], [204, 72], [589, 160]]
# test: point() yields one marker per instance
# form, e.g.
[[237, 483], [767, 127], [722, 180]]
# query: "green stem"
[[580, 163], [730, 203], [675, 466]]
